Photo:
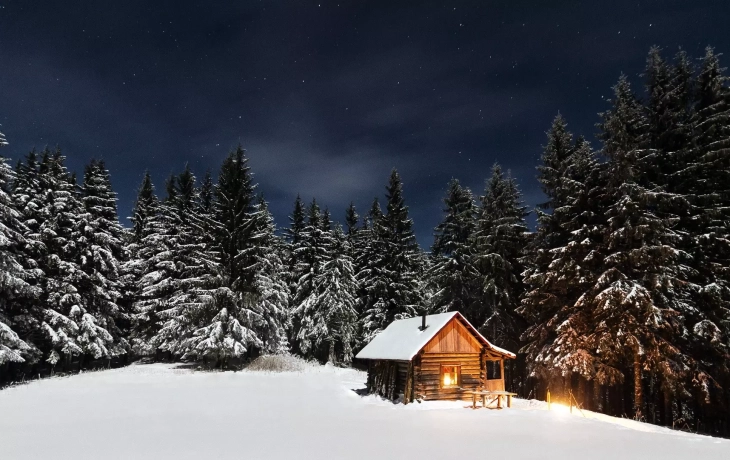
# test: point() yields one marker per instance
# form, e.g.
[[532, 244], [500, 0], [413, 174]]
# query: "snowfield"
[[161, 411]]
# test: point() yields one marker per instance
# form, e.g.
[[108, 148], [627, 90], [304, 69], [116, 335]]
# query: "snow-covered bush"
[[278, 363]]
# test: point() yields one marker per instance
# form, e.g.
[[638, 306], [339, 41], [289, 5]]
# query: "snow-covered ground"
[[159, 411]]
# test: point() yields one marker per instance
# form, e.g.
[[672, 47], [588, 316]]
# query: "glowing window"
[[450, 376]]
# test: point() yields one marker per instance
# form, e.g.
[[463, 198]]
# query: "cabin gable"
[[454, 337]]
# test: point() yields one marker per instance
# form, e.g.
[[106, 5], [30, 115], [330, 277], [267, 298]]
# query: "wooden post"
[[501, 373], [548, 398], [408, 391]]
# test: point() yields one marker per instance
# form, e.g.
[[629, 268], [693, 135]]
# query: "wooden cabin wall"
[[427, 374], [389, 379], [453, 338]]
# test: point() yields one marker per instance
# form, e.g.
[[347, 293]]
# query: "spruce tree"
[[311, 254], [706, 180], [271, 292], [497, 247], [638, 290], [69, 320], [233, 207], [141, 269], [101, 254], [394, 290], [329, 317], [369, 264], [17, 294], [226, 325], [545, 287], [351, 220], [193, 287], [144, 207], [451, 255]]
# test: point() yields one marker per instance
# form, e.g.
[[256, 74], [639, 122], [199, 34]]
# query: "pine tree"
[[234, 202], [207, 194], [193, 286], [545, 289], [226, 325], [101, 254], [706, 181], [69, 322], [297, 222], [16, 291], [368, 265], [141, 268], [557, 344], [451, 255], [497, 247], [329, 318], [271, 292], [144, 207], [351, 220], [638, 291], [392, 277], [311, 254]]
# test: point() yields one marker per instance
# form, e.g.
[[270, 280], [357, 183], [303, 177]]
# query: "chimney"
[[423, 322]]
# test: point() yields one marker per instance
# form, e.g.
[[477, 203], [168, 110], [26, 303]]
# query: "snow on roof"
[[402, 339]]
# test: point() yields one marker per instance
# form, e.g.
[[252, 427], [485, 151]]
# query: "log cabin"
[[433, 357]]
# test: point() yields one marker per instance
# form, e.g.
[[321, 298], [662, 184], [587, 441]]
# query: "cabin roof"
[[403, 339]]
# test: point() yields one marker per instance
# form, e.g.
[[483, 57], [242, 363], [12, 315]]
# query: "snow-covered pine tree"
[[497, 246], [148, 242], [271, 293], [193, 285], [297, 222], [330, 317], [233, 208], [354, 238], [225, 329], [351, 220], [293, 251], [368, 265], [101, 248], [311, 254], [557, 346], [706, 180], [669, 90], [69, 323], [635, 303], [451, 255], [145, 206], [28, 200], [394, 286], [545, 288], [17, 294]]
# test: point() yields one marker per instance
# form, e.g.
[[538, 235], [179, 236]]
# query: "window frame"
[[457, 367]]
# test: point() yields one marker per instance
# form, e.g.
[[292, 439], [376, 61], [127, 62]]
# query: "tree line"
[[619, 297]]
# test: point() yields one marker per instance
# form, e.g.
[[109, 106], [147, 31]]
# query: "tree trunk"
[[331, 358], [597, 402], [638, 396], [668, 415]]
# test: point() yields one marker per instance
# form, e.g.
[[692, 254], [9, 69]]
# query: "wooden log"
[[409, 385]]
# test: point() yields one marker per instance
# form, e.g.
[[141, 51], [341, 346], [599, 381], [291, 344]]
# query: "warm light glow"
[[450, 376], [560, 409]]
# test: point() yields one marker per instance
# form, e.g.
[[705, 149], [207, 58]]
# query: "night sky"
[[326, 97]]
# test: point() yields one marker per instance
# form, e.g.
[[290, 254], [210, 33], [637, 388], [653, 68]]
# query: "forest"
[[620, 296]]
